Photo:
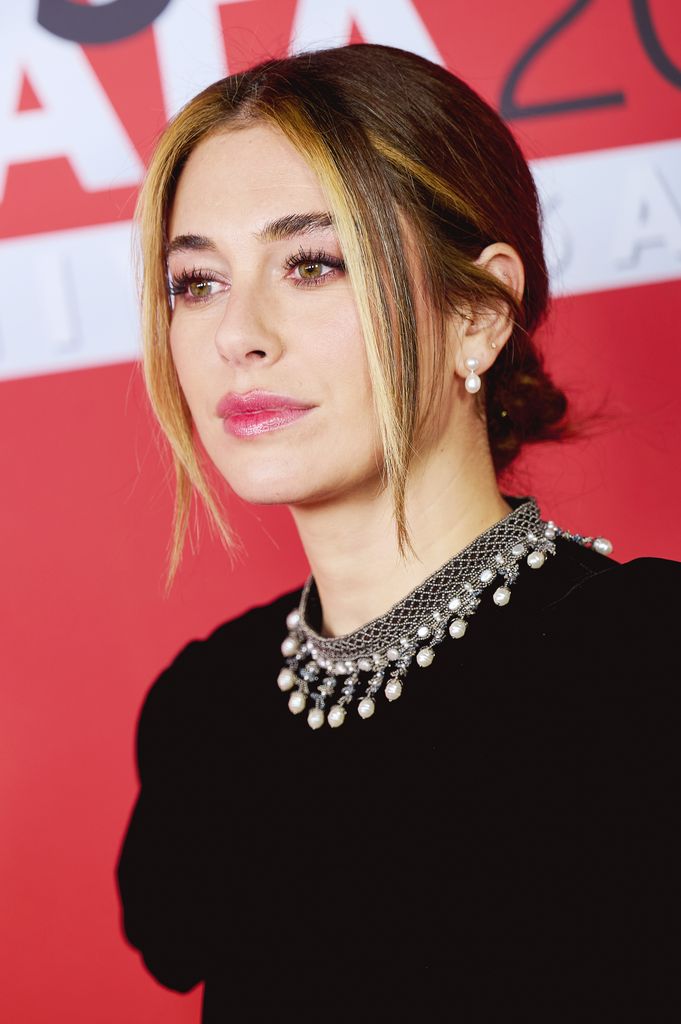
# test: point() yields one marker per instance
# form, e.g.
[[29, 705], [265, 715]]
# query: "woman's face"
[[265, 323], [265, 335]]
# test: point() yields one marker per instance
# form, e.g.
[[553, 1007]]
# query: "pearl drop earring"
[[472, 381]]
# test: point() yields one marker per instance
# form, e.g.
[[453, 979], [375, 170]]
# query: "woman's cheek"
[[187, 368]]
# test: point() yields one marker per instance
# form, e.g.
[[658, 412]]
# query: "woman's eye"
[[201, 289], [195, 287], [313, 268], [310, 271]]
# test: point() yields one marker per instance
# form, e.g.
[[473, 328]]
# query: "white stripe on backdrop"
[[613, 220]]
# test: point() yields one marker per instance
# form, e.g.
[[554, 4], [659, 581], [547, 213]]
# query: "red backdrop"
[[593, 92]]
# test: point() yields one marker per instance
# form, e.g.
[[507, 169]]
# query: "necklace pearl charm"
[[289, 646], [315, 718], [603, 546], [501, 596], [457, 628], [286, 679], [535, 559], [293, 619], [366, 707], [336, 716], [425, 656], [393, 689], [297, 702]]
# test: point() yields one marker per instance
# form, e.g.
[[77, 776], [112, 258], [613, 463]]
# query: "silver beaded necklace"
[[357, 665]]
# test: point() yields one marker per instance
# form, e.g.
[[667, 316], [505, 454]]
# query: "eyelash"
[[308, 256], [179, 283]]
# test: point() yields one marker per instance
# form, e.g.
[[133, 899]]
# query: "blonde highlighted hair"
[[390, 136]]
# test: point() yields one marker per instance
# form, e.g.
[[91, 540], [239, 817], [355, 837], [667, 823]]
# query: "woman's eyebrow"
[[288, 226], [190, 243], [274, 230], [293, 224]]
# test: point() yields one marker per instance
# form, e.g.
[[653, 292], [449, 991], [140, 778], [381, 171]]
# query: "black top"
[[502, 836]]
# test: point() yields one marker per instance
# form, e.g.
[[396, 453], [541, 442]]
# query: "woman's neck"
[[351, 544]]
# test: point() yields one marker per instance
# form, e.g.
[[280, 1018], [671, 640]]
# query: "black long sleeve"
[[160, 874]]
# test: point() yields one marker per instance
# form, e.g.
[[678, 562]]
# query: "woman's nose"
[[246, 333]]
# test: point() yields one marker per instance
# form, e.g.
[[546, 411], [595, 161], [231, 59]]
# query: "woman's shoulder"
[[596, 577], [234, 637], [619, 618], [258, 622], [663, 573], [217, 667]]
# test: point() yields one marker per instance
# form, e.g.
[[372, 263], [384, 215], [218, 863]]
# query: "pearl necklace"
[[318, 666]]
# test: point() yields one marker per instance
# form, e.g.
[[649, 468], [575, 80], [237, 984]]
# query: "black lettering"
[[652, 45], [81, 23], [511, 110]]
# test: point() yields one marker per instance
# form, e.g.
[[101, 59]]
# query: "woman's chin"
[[274, 492]]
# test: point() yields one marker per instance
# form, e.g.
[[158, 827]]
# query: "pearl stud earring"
[[472, 381]]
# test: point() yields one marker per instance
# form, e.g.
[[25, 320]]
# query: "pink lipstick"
[[258, 412]]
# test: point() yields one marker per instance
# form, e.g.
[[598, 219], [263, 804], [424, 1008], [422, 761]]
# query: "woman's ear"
[[482, 334]]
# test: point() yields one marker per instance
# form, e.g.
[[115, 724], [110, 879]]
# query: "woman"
[[343, 272]]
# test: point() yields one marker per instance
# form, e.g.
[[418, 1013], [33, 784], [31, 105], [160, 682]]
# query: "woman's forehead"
[[244, 175]]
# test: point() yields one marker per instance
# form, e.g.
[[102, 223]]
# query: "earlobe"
[[477, 350]]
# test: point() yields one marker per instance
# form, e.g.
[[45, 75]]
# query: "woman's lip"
[[251, 424], [256, 401]]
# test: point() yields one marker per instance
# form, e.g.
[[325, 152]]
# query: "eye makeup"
[[195, 285]]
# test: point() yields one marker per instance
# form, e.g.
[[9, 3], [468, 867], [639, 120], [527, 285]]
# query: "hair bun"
[[523, 406]]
